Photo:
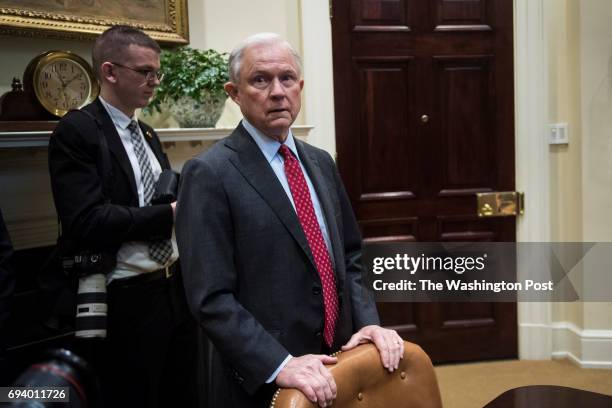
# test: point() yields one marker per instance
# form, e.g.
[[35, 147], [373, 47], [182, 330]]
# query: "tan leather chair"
[[363, 382]]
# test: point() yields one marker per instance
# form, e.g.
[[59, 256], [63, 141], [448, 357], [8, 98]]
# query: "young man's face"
[[133, 87], [269, 89]]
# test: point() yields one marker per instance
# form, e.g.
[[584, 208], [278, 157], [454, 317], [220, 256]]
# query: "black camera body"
[[85, 263], [166, 189]]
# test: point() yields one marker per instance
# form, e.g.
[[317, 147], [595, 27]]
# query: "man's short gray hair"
[[235, 58]]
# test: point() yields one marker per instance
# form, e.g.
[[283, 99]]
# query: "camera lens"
[[62, 369], [91, 307]]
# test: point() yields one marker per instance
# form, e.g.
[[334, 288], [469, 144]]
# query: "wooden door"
[[425, 120]]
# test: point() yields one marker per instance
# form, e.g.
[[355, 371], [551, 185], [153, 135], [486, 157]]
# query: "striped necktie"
[[161, 250]]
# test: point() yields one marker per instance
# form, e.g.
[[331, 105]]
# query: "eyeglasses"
[[149, 74]]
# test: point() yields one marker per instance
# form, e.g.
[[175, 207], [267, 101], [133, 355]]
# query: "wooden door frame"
[[531, 114]]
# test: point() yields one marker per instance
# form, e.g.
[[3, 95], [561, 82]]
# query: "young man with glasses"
[[147, 358]]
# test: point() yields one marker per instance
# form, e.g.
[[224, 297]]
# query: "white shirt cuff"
[[278, 370]]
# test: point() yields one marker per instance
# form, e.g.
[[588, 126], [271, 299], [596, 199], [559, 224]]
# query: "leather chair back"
[[363, 382]]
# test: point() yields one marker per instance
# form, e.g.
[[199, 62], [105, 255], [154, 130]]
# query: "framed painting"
[[163, 20]]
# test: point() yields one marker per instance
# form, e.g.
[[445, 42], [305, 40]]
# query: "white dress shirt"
[[133, 257]]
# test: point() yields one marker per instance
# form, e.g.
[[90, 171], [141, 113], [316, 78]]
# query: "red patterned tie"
[[312, 230]]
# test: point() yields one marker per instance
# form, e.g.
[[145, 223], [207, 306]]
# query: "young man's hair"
[[112, 43]]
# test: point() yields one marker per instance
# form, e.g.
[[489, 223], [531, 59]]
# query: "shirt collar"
[[268, 146], [119, 118]]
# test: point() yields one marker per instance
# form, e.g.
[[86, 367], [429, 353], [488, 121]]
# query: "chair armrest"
[[363, 382]]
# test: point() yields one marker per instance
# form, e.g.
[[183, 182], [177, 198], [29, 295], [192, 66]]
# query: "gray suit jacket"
[[250, 277]]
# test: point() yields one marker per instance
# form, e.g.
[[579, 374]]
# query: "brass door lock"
[[500, 204]]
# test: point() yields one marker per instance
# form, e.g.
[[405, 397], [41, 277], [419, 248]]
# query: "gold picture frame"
[[164, 20]]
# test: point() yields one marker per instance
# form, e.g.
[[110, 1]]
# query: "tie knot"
[[133, 126], [285, 152]]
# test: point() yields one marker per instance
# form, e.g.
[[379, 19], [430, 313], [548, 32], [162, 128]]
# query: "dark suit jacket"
[[249, 274], [74, 164], [7, 280]]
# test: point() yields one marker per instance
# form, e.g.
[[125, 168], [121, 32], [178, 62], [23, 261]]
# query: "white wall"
[[16, 52], [579, 81], [596, 104], [596, 101], [222, 25]]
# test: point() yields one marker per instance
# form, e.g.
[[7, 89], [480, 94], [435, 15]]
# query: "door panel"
[[465, 108], [463, 15], [390, 230], [467, 228], [377, 15], [387, 91]]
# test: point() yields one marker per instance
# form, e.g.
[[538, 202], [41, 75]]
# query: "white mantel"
[[173, 135], [25, 191]]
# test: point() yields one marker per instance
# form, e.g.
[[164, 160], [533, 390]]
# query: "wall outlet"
[[558, 134]]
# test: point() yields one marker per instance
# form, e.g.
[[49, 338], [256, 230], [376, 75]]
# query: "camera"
[[91, 308], [90, 267], [62, 369], [166, 189], [87, 263]]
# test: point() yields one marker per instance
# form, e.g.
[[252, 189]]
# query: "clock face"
[[63, 81], [63, 84]]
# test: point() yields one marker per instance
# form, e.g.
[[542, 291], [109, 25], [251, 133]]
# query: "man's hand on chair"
[[389, 344], [309, 375]]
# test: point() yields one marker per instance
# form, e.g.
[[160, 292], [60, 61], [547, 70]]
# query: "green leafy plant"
[[190, 72]]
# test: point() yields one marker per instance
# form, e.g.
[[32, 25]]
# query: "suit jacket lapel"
[[323, 188], [252, 164], [114, 143]]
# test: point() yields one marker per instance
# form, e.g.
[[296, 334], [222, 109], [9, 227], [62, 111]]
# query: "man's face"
[[132, 86], [269, 88]]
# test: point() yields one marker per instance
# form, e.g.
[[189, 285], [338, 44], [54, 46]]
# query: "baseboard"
[[535, 341], [586, 348]]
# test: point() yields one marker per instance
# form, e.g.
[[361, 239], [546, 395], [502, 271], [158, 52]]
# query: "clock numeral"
[[44, 84], [62, 66], [47, 75]]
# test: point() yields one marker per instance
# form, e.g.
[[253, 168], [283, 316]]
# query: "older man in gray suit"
[[270, 249]]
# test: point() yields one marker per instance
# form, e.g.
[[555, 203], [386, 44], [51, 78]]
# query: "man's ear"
[[232, 90], [107, 72]]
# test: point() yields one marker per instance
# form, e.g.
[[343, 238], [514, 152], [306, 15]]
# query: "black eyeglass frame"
[[148, 74]]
